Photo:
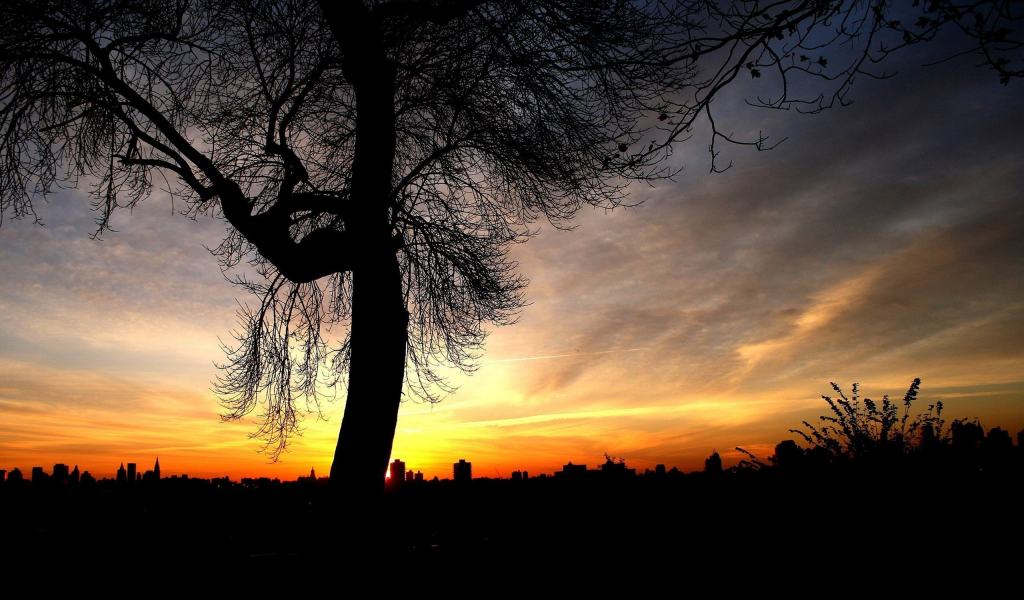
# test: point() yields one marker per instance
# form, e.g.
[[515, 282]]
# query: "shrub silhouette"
[[860, 430]]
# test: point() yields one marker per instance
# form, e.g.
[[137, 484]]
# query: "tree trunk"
[[376, 375], [379, 316]]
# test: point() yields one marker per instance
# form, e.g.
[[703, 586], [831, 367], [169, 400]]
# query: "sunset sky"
[[880, 242]]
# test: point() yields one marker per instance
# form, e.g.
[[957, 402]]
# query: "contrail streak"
[[505, 360]]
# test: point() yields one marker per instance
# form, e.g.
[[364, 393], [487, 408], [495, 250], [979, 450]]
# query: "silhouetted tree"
[[375, 160]]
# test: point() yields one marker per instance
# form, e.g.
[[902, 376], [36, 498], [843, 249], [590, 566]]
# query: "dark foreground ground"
[[920, 530]]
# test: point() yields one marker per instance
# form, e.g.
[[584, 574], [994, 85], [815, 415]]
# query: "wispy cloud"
[[574, 354]]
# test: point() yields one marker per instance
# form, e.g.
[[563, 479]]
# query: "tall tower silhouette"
[[397, 473], [156, 468]]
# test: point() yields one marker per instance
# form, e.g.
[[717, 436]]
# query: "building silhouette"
[[572, 471], [60, 473], [312, 478], [713, 464], [39, 476], [397, 473], [462, 471], [132, 473], [74, 476], [156, 468], [15, 476], [121, 474], [927, 436], [967, 435], [999, 439]]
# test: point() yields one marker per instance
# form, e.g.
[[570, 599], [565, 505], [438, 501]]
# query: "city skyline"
[[400, 472], [879, 243], [130, 473]]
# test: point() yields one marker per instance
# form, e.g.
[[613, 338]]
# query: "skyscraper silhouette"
[[397, 473], [131, 472], [462, 471], [156, 468]]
